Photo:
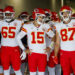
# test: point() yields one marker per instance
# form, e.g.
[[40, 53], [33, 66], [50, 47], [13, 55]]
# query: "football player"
[[37, 52], [48, 39], [52, 67], [10, 53], [55, 18], [24, 16], [48, 15], [65, 40]]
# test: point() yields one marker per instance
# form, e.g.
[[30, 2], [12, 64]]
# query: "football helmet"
[[38, 12], [9, 13], [55, 17], [65, 9], [47, 12], [1, 14], [24, 16], [48, 15], [38, 15], [31, 18]]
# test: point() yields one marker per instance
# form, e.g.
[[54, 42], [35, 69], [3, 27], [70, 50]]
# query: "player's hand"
[[47, 50], [23, 55], [55, 59], [28, 51]]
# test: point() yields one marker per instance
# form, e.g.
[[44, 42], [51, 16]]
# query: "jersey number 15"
[[40, 39]]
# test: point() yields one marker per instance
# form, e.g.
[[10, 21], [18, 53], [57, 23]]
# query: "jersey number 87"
[[64, 35]]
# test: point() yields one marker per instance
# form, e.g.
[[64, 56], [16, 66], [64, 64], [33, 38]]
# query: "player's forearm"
[[52, 42], [19, 37], [56, 49]]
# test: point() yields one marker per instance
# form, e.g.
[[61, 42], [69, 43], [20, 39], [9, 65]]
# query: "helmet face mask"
[[48, 15], [39, 15], [24, 16], [40, 18], [65, 13], [65, 16], [9, 13], [47, 19], [9, 16]]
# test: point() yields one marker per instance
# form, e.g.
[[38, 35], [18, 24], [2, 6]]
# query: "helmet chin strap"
[[8, 20]]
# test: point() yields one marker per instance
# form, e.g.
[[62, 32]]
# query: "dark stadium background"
[[29, 5]]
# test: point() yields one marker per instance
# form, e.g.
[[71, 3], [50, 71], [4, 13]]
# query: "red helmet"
[[24, 16], [24, 13], [64, 9], [47, 11], [9, 9], [37, 12], [55, 16], [9, 13]]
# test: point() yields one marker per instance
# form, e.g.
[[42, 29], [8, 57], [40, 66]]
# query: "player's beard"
[[39, 22], [66, 19]]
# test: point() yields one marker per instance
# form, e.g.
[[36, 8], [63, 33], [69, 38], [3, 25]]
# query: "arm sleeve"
[[50, 33], [48, 30], [19, 37]]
